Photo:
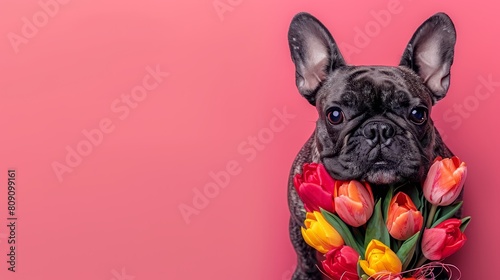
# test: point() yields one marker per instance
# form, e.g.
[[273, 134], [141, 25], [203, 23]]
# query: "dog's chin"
[[382, 176]]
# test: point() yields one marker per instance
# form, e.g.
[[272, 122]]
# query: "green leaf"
[[358, 234], [424, 204], [418, 251], [415, 196], [376, 228], [387, 201], [343, 230], [405, 253], [465, 223], [446, 213], [360, 270], [437, 215]]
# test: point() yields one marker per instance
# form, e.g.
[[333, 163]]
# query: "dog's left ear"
[[430, 54], [314, 53]]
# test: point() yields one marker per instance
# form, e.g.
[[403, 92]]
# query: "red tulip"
[[445, 181], [353, 202], [443, 240], [403, 219], [315, 187], [341, 263]]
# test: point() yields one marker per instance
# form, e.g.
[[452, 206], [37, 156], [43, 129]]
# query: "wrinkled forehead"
[[374, 74], [377, 85]]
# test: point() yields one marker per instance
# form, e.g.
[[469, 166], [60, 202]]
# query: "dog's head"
[[374, 121]]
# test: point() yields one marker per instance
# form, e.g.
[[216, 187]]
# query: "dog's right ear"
[[314, 53], [430, 53]]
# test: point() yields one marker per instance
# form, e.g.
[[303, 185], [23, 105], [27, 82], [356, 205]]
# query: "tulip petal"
[[403, 225], [314, 187], [451, 249], [331, 234], [314, 197], [319, 234], [403, 218], [429, 182], [432, 241], [366, 267], [459, 178], [406, 225], [393, 263], [312, 240], [297, 181], [351, 212], [444, 181], [380, 258], [311, 176], [327, 182], [341, 263], [354, 201]]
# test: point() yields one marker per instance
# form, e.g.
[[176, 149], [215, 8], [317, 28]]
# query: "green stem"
[[421, 261], [430, 218]]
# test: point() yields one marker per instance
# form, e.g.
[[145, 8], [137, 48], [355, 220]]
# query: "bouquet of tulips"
[[403, 234]]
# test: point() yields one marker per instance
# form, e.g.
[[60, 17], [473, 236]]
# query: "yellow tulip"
[[319, 234], [380, 260]]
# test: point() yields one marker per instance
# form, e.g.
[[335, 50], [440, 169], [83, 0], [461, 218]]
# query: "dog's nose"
[[377, 132]]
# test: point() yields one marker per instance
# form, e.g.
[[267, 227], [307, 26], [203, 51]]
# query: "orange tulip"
[[445, 181], [353, 202], [403, 219]]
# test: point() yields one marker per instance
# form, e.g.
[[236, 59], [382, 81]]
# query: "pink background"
[[116, 214]]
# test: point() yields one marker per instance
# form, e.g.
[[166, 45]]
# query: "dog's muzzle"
[[378, 132]]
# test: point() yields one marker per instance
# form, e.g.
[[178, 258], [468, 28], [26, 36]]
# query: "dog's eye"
[[418, 115], [335, 115]]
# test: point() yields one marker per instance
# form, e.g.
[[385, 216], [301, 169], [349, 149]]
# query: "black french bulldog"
[[374, 121]]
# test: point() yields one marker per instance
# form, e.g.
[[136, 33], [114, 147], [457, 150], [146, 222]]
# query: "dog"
[[373, 121]]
